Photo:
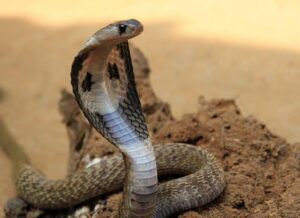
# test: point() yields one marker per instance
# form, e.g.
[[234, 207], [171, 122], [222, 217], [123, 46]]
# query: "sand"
[[249, 52], [261, 169]]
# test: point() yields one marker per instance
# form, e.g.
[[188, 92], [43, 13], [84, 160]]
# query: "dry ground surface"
[[262, 170], [249, 52]]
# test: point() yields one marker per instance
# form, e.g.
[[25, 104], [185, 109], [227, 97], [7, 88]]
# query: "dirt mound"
[[261, 169]]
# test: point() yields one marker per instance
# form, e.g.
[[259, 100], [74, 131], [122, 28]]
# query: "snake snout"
[[135, 23], [131, 27]]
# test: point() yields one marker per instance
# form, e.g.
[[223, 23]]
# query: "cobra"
[[103, 84]]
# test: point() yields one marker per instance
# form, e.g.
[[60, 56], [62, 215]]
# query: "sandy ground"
[[249, 52]]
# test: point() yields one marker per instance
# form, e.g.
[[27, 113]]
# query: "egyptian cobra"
[[104, 87]]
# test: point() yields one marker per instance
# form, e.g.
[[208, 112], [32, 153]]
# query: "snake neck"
[[104, 87], [140, 187]]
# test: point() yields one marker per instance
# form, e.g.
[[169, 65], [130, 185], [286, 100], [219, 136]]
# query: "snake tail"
[[12, 149]]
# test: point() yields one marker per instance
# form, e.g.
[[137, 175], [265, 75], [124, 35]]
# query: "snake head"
[[116, 32]]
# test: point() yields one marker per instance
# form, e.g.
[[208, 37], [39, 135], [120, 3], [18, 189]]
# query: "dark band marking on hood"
[[87, 82], [113, 71]]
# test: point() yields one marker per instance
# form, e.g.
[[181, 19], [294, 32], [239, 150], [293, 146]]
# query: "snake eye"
[[122, 28]]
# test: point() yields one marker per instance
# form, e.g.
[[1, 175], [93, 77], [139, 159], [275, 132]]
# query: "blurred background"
[[246, 50]]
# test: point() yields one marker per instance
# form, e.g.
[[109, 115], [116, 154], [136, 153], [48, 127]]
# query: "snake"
[[104, 87]]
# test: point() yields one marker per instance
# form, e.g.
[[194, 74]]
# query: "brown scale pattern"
[[202, 182], [125, 89]]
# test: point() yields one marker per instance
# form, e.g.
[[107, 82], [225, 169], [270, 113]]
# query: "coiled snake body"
[[104, 87]]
